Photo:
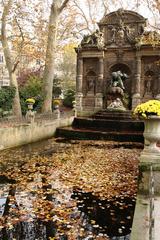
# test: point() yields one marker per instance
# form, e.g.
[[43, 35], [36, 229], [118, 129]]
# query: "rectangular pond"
[[60, 189]]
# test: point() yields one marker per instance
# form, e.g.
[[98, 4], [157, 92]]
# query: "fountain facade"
[[121, 44]]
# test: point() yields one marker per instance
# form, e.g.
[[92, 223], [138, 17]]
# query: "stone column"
[[99, 86], [79, 77], [79, 82], [136, 98], [158, 87]]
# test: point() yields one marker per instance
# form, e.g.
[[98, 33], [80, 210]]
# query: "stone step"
[[109, 125], [105, 114], [88, 134]]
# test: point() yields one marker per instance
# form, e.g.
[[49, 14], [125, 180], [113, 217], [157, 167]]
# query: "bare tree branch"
[[63, 5], [82, 13], [15, 66], [20, 29]]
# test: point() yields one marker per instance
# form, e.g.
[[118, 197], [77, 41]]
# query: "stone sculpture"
[[116, 91], [116, 105], [117, 79], [94, 39]]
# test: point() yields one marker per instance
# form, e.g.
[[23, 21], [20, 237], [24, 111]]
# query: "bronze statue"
[[117, 79]]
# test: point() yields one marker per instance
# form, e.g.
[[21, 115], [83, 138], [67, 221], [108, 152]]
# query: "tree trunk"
[[50, 55], [50, 59], [16, 107]]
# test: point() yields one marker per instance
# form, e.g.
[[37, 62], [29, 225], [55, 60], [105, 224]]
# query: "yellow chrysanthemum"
[[30, 100], [152, 107]]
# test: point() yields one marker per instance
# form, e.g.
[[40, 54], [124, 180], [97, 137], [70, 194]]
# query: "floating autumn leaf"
[[96, 167]]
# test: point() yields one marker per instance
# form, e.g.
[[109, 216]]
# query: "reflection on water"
[[46, 208], [91, 217], [110, 218]]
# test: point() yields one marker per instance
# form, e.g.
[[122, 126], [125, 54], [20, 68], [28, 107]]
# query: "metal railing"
[[151, 204]]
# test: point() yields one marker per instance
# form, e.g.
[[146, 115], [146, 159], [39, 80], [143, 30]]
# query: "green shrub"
[[32, 89], [69, 97], [6, 99], [57, 89]]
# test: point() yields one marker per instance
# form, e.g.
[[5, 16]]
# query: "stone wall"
[[27, 133]]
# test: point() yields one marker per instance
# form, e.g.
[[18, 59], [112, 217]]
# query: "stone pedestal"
[[147, 157], [57, 113], [30, 116], [151, 153]]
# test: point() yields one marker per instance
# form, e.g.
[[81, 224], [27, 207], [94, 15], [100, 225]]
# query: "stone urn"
[[30, 102], [152, 132], [151, 152], [30, 106], [150, 112]]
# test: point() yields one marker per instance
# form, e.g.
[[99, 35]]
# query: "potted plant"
[[30, 102], [56, 103], [150, 113], [148, 109]]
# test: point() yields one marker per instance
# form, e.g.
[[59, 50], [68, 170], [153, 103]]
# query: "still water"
[[36, 202]]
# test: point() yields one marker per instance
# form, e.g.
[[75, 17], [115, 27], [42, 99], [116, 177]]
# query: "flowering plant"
[[144, 110], [30, 100], [56, 102]]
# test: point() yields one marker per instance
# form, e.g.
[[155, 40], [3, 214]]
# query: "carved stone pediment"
[[122, 27], [125, 15]]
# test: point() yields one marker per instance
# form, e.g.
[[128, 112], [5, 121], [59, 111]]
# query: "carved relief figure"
[[120, 35], [113, 31], [121, 32], [148, 83], [124, 31], [90, 84], [141, 29], [120, 13], [96, 36], [130, 32], [94, 39]]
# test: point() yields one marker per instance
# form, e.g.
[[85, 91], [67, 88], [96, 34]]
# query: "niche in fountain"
[[116, 90]]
